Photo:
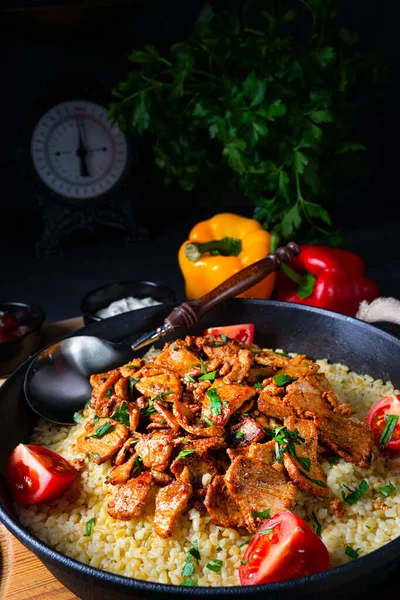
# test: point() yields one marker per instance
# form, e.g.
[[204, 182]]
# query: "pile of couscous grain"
[[132, 548]]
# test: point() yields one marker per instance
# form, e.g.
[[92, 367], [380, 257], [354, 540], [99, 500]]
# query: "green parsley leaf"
[[132, 382], [189, 379], [219, 549], [316, 481], [246, 542], [391, 422], [101, 430], [305, 462], [138, 466], [259, 386], [208, 376], [265, 531], [319, 527], [209, 422], [184, 453], [357, 493], [385, 490], [333, 461], [89, 525], [282, 353], [283, 379], [194, 550], [264, 514], [189, 582], [121, 414], [131, 367], [221, 343], [110, 391], [215, 402], [77, 417], [95, 455], [188, 567], [96, 419], [239, 435], [215, 565], [352, 553], [244, 561]]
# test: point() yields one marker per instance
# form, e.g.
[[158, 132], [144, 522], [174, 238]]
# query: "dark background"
[[56, 45]]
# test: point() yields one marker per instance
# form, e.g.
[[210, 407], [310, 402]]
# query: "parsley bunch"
[[253, 105]]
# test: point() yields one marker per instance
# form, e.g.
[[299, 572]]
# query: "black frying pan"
[[315, 332]]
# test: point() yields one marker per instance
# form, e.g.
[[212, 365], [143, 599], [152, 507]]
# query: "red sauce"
[[10, 328]]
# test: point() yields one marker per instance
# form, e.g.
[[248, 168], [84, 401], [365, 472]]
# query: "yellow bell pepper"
[[220, 247]]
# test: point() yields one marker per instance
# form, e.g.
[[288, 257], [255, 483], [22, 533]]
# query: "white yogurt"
[[125, 305]]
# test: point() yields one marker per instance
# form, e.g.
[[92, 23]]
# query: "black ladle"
[[57, 380]]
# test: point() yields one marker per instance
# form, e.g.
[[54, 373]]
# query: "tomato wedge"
[[384, 418], [284, 547], [36, 474], [243, 333]]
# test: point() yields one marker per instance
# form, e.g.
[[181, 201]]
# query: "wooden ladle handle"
[[189, 313]]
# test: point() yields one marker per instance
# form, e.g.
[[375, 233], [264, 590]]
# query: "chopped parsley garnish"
[[189, 379], [352, 553], [194, 550], [239, 435], [244, 561], [88, 457], [110, 391], [122, 414], [151, 410], [265, 531], [132, 382], [387, 489], [206, 376], [162, 421], [221, 343], [264, 514], [333, 461], [391, 422], [282, 354], [259, 386], [215, 565], [284, 379], [103, 429], [89, 525], [138, 466], [316, 481], [209, 422], [184, 453], [355, 494], [319, 527], [193, 554], [96, 419], [131, 367], [343, 381], [305, 462], [219, 549], [215, 402], [246, 542], [188, 567], [95, 455], [77, 417], [189, 582], [175, 348], [285, 440]]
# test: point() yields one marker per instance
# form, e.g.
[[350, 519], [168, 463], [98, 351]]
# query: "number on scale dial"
[[77, 151]]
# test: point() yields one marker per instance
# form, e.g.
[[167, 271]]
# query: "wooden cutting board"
[[22, 575]]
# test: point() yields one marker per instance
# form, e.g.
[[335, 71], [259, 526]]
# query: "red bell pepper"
[[328, 278]]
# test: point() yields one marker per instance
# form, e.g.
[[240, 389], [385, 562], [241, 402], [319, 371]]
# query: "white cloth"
[[381, 309]]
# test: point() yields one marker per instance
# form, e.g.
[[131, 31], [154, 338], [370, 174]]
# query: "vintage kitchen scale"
[[81, 163]]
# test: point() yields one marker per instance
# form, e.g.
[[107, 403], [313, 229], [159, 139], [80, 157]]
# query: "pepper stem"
[[305, 282], [226, 246]]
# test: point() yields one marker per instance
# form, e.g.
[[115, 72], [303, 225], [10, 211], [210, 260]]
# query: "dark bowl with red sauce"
[[20, 326]]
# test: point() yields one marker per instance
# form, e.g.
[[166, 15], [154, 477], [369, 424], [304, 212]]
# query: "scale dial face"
[[77, 151]]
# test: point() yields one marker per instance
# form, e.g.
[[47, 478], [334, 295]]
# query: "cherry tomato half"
[[376, 418], [284, 547], [35, 474], [243, 333]]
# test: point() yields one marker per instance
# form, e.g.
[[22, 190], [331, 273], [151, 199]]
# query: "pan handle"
[[189, 313]]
